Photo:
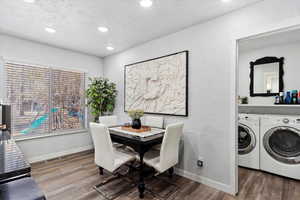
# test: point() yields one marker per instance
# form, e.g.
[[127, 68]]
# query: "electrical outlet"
[[200, 163]]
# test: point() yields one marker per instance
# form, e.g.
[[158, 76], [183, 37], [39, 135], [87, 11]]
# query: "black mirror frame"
[[266, 60]]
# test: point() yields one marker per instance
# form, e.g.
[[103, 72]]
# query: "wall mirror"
[[266, 76]]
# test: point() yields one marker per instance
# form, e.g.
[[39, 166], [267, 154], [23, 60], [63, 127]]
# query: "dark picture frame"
[[266, 60], [186, 82]]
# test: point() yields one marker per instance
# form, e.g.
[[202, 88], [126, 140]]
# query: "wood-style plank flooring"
[[72, 178]]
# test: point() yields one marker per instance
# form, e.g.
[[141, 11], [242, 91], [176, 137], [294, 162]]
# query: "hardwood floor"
[[72, 178]]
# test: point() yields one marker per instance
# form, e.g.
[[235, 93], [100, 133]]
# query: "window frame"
[[50, 133]]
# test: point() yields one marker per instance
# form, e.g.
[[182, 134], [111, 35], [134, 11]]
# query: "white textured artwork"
[[158, 85]]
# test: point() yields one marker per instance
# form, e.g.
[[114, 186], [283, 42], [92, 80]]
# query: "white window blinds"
[[68, 99], [44, 100]]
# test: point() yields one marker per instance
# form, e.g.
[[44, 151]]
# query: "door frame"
[[287, 25]]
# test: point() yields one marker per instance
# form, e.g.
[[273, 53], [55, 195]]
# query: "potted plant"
[[101, 96], [136, 118]]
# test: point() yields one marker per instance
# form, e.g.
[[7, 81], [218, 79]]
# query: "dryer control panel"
[[284, 120], [290, 120]]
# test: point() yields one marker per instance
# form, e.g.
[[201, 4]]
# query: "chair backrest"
[[169, 151], [104, 153], [108, 120], [153, 121]]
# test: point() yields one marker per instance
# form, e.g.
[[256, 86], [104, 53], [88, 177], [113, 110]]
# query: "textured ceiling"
[[76, 21]]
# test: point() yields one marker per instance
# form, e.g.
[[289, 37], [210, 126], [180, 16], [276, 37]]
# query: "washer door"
[[283, 144], [247, 140]]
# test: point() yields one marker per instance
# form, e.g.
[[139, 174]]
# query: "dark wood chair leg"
[[101, 171], [171, 172]]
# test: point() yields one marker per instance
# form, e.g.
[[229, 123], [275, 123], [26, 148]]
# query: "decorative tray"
[[141, 130]]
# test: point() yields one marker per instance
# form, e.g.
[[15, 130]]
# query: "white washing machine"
[[248, 141], [280, 145]]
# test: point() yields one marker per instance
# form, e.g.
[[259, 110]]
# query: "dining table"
[[141, 143]]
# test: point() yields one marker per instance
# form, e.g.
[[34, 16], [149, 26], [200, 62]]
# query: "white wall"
[[291, 79], [25, 51], [210, 128]]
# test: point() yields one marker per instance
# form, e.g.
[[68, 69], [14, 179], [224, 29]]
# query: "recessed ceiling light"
[[226, 1], [102, 29], [29, 1], [146, 3], [110, 48], [50, 30]]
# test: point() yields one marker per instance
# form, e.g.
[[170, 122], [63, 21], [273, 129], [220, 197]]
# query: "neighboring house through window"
[[44, 100]]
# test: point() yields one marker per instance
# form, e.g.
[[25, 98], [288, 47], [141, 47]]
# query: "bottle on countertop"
[[288, 98], [281, 97], [239, 100], [277, 99], [294, 97]]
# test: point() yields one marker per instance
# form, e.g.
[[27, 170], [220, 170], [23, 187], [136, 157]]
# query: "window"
[[67, 102], [44, 100]]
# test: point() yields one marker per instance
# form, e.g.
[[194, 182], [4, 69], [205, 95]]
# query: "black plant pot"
[[136, 124]]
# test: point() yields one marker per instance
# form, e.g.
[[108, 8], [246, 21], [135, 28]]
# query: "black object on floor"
[[13, 163], [21, 189]]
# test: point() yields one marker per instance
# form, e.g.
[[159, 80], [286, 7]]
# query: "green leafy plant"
[[135, 114], [101, 95]]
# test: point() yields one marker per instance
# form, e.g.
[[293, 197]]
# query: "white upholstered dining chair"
[[167, 157], [108, 121], [106, 156], [111, 120], [153, 121]]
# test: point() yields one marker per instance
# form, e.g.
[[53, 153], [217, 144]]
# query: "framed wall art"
[[158, 85]]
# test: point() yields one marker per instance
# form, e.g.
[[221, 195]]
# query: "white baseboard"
[[206, 181], [59, 154]]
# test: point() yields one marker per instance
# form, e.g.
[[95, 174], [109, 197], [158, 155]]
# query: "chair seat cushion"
[[152, 159], [118, 145], [121, 157], [21, 189], [156, 147]]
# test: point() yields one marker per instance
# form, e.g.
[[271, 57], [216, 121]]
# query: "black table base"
[[141, 146]]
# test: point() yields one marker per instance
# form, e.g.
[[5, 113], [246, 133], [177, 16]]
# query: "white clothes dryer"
[[280, 145]]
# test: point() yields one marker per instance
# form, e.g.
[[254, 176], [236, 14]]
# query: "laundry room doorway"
[[268, 92]]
